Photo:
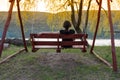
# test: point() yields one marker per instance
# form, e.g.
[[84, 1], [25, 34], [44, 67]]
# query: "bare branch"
[[97, 2], [63, 5]]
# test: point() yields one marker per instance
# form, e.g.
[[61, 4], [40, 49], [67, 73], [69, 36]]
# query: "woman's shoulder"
[[72, 31], [62, 31]]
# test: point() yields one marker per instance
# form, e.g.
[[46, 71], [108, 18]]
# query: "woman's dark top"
[[67, 32]]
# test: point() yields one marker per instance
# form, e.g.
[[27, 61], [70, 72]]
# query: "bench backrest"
[[45, 39], [78, 39], [57, 35], [45, 35]]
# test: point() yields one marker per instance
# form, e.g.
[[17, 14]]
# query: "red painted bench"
[[54, 41]]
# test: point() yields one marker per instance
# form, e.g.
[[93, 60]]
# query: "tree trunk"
[[80, 15], [87, 16], [76, 22]]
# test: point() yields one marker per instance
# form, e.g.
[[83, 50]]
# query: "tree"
[[76, 7], [76, 22]]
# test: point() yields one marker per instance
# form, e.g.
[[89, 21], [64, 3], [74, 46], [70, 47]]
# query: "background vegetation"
[[35, 22]]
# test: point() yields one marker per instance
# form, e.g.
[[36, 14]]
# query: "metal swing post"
[[6, 26], [21, 25], [114, 66], [112, 36], [8, 23], [97, 25]]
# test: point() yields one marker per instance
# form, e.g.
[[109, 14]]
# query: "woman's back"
[[67, 32]]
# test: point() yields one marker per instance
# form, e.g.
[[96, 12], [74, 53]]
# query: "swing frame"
[[6, 26], [92, 48], [114, 63]]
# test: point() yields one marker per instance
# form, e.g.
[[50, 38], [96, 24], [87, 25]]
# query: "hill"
[[33, 22], [37, 22]]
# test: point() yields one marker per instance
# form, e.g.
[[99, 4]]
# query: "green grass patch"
[[9, 51], [106, 53], [44, 66]]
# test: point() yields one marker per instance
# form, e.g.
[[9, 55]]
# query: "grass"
[[33, 66], [11, 50], [105, 52]]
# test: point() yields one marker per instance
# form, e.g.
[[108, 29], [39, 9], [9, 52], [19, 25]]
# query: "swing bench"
[[54, 41]]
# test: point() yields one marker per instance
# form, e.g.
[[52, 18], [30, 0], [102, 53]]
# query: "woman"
[[66, 26]]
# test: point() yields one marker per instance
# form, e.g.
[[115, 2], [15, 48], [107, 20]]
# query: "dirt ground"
[[59, 60], [55, 66]]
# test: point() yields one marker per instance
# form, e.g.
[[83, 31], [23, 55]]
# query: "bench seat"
[[54, 41]]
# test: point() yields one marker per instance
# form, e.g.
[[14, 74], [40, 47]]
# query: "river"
[[104, 42]]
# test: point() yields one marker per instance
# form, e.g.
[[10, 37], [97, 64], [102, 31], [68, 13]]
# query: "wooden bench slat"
[[54, 47], [45, 43], [73, 36], [72, 43], [45, 47], [59, 43], [45, 35]]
